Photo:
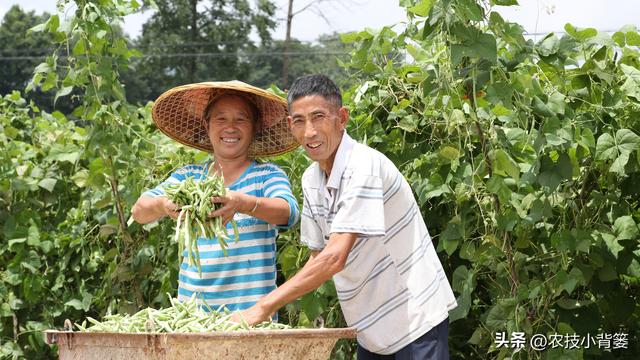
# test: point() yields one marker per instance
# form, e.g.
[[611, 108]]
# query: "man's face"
[[318, 124], [231, 128]]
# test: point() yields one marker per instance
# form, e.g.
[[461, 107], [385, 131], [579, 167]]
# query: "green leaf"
[[632, 38], [68, 153], [500, 313], [631, 86], [572, 304], [606, 147], [504, 165], [452, 235], [63, 92], [496, 185], [448, 152], [562, 281], [450, 245], [467, 250], [457, 117], [499, 110], [50, 81], [563, 240], [549, 45], [408, 123], [16, 241], [580, 34], [48, 184], [350, 37], [504, 2], [608, 272], [470, 10], [459, 278], [618, 148], [462, 309], [38, 28], [556, 103], [74, 303], [552, 173], [540, 108], [627, 140], [86, 300], [46, 246], [474, 44], [618, 166], [53, 23], [80, 178], [587, 140], [611, 242], [42, 68], [33, 237], [507, 220], [313, 305], [463, 282], [625, 228], [619, 38], [5, 310], [422, 8], [327, 288], [79, 48], [11, 132]]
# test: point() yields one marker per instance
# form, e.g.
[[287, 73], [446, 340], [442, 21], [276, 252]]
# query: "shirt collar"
[[340, 161]]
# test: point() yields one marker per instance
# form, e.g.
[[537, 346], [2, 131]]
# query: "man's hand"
[[320, 267], [252, 316]]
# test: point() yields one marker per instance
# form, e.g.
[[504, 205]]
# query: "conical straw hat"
[[179, 114]]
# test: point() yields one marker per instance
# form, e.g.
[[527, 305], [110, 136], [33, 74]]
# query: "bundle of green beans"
[[193, 198], [181, 317]]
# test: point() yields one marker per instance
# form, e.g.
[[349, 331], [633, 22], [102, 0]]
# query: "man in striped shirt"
[[364, 227]]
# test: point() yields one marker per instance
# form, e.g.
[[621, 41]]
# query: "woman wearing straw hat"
[[235, 122]]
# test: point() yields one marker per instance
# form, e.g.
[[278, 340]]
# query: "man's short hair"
[[309, 85]]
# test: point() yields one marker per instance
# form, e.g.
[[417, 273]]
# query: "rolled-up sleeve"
[[175, 178], [277, 185], [360, 207]]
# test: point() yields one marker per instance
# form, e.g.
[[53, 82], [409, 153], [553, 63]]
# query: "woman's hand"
[[232, 203], [149, 209], [169, 208]]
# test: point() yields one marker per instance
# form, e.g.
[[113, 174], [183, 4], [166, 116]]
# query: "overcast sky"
[[537, 16]]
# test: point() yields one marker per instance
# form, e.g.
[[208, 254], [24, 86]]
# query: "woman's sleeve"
[[175, 178], [276, 185]]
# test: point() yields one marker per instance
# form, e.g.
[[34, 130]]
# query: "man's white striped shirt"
[[393, 288]]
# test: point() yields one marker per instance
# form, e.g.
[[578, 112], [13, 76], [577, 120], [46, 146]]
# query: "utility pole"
[[287, 43], [313, 6], [194, 39]]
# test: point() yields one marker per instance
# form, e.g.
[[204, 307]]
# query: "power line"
[[50, 49], [210, 55]]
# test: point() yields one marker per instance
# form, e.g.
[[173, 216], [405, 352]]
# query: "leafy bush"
[[524, 158]]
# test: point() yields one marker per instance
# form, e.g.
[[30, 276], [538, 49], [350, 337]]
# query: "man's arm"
[[319, 268]]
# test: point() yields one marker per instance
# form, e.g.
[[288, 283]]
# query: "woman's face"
[[231, 127]]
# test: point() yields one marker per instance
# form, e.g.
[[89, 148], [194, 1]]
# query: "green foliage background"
[[524, 158]]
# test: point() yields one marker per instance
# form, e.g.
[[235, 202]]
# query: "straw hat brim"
[[179, 114]]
